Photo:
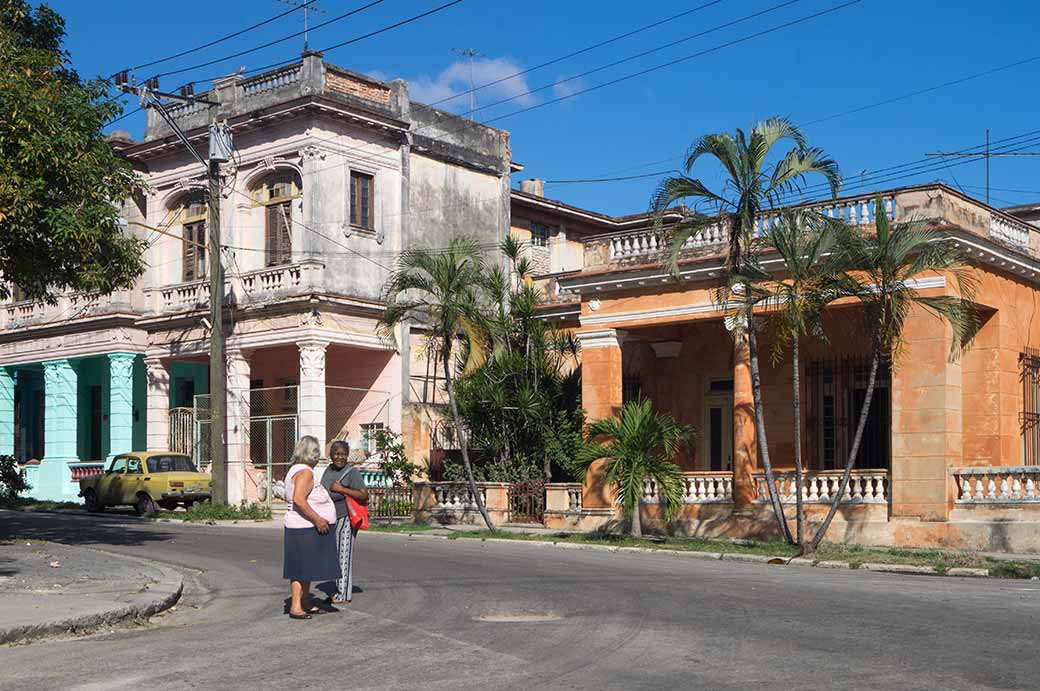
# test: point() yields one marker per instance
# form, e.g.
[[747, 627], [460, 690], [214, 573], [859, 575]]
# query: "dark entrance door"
[[95, 423]]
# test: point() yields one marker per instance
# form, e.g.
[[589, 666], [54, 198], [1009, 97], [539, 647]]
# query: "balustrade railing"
[[703, 488], [651, 242], [274, 80], [456, 496], [998, 484], [273, 279], [865, 486], [66, 307], [84, 469], [1010, 231]]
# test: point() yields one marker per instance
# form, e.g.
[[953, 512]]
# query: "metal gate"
[[271, 441], [527, 501]]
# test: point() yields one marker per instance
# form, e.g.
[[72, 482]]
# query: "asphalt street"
[[463, 614]]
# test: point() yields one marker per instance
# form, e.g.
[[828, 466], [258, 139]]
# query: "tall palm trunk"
[[760, 431], [636, 529], [822, 530], [462, 443], [799, 475]]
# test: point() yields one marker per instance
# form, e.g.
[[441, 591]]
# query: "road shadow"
[[80, 530], [5, 569]]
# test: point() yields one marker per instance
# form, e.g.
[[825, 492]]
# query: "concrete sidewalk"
[[48, 588]]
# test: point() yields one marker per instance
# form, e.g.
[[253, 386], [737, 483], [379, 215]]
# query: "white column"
[[237, 424], [312, 389], [158, 406]]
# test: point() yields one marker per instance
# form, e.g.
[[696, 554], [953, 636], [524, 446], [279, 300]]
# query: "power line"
[[214, 42], [615, 179], [271, 43]]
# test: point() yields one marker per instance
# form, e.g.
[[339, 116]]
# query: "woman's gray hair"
[[307, 451]]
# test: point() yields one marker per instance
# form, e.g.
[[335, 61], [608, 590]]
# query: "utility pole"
[[470, 53], [217, 355], [308, 6], [219, 150], [987, 154]]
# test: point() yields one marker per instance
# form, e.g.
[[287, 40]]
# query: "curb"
[[160, 597], [903, 569]]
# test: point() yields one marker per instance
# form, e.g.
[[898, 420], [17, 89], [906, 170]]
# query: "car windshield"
[[170, 464]]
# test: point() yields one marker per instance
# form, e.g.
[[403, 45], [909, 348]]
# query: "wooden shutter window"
[[279, 234], [362, 200], [193, 251]]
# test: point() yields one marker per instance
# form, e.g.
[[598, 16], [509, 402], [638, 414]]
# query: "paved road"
[[468, 615]]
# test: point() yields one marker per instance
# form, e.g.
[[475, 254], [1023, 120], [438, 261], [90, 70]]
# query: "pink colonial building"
[[334, 173]]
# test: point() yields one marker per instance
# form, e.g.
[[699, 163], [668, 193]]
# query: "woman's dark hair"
[[337, 444]]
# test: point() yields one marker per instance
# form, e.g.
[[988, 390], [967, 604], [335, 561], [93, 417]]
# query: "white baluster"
[[991, 488], [1030, 488], [1005, 487], [813, 488], [965, 485], [1016, 487]]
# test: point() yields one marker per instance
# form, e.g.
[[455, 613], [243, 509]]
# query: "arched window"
[[192, 212], [276, 194]]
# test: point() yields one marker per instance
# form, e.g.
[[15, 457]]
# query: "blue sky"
[[857, 56]]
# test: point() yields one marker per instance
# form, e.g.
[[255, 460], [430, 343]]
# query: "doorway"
[[718, 425]]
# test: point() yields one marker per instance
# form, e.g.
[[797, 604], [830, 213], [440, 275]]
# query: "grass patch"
[[27, 504], [854, 555], [219, 512], [399, 527]]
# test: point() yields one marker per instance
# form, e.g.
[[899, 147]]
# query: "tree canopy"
[[61, 184]]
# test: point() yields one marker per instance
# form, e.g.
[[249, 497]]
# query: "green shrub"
[[219, 512], [11, 481]]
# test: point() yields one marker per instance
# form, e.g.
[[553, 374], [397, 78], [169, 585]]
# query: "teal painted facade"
[[86, 409], [187, 379]]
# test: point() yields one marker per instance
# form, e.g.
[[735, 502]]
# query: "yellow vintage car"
[[146, 480]]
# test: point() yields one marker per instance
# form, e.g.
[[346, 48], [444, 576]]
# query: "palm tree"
[[812, 278], [752, 186], [443, 290], [636, 447], [881, 269]]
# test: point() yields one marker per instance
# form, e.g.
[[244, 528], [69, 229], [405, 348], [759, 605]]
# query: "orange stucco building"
[[950, 448]]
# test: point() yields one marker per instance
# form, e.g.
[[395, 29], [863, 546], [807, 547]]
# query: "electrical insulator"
[[220, 144], [188, 90]]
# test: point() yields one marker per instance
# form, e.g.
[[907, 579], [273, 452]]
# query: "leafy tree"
[[882, 267], [11, 481], [62, 183], [636, 447], [445, 291], [522, 406], [753, 183], [394, 461]]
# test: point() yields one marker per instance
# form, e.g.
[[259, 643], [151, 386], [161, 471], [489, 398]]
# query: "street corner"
[[49, 589]]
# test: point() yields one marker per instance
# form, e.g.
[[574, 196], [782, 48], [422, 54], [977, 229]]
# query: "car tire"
[[145, 505], [90, 499]]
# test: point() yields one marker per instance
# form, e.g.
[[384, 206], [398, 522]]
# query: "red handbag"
[[358, 514]]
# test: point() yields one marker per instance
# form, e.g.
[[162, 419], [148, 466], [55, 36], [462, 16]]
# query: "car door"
[[110, 487], [133, 480]]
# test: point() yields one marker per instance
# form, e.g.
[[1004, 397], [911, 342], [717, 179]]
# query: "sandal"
[[315, 610], [300, 616]]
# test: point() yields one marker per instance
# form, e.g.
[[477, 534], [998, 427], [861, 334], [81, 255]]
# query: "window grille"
[[540, 234], [369, 436], [1029, 362], [835, 391]]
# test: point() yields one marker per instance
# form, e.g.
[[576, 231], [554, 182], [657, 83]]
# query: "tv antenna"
[[987, 154], [308, 6], [470, 53]]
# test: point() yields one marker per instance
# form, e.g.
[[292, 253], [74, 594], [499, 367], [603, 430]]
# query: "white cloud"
[[454, 81]]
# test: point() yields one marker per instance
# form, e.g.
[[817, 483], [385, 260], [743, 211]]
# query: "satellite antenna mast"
[[470, 53], [308, 6]]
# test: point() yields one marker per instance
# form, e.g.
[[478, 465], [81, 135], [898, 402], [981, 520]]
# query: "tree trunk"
[[462, 444], [637, 522], [799, 475], [822, 530], [760, 429]]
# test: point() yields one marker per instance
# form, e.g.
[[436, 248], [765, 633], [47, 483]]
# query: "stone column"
[[238, 413], [120, 403], [926, 420], [6, 412], [601, 394], [667, 380], [158, 414], [745, 452], [312, 390], [61, 399]]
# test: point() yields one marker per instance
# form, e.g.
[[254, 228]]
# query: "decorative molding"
[[601, 338], [121, 365], [595, 304], [311, 152], [639, 315], [664, 349], [312, 359], [312, 318]]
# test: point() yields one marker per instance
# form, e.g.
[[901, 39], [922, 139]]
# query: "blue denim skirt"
[[310, 556]]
